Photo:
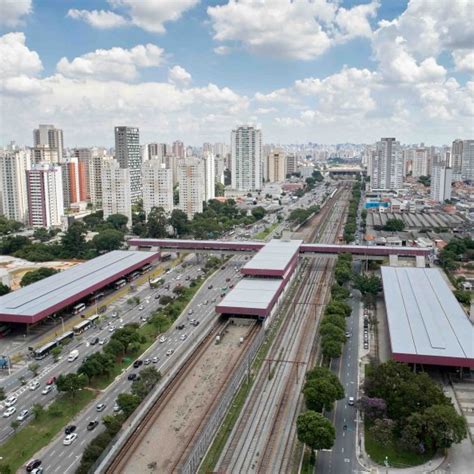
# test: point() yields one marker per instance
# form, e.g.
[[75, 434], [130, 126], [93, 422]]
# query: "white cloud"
[[22, 86], [150, 15], [464, 60], [279, 95], [115, 63], [179, 75], [266, 110], [17, 59], [100, 19], [12, 11], [222, 50], [297, 30]]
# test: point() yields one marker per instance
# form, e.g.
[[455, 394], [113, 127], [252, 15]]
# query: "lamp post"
[[62, 323]]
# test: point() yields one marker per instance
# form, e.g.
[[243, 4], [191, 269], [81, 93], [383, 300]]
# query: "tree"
[[9, 225], [14, 425], [179, 221], [258, 212], [113, 423], [55, 352], [37, 275], [165, 299], [119, 221], [464, 297], [4, 289], [334, 332], [34, 368], [394, 225], [12, 244], [332, 349], [157, 223], [71, 383], [42, 234], [425, 180], [338, 307], [149, 377], [115, 347], [38, 411], [219, 189], [334, 319], [316, 431], [338, 292], [382, 430], [342, 274], [160, 321], [372, 408], [321, 393], [367, 284], [5, 469], [317, 176], [128, 403], [108, 240], [2, 393], [73, 241]]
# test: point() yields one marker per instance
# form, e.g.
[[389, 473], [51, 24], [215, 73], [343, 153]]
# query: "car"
[[114, 314], [366, 345], [38, 470], [169, 352], [94, 341], [222, 295], [70, 429], [167, 287], [111, 328], [214, 300], [33, 464], [188, 278], [143, 319], [195, 323], [23, 415], [162, 339], [206, 302], [100, 407], [132, 376], [223, 267], [47, 389], [155, 360], [231, 286], [157, 297], [183, 337], [91, 425], [34, 385], [351, 401], [9, 412], [227, 279], [147, 361], [348, 334], [116, 408], [10, 401], [210, 287], [140, 307], [69, 439], [51, 381], [180, 327], [102, 341], [137, 363]]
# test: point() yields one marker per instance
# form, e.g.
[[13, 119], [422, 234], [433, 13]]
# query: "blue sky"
[[308, 70]]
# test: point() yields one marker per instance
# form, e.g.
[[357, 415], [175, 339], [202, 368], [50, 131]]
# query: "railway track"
[[263, 437]]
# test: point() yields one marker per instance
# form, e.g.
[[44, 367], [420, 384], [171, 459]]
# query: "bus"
[[44, 351], [5, 329], [146, 268], [133, 276], [165, 257], [120, 283], [78, 308], [81, 327], [94, 319], [65, 338], [96, 297]]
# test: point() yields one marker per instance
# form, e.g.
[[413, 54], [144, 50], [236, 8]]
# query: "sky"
[[321, 71]]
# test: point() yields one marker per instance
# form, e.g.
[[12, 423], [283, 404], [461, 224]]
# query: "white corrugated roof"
[[424, 316], [46, 293], [274, 256]]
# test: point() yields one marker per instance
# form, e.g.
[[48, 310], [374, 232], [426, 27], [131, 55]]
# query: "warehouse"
[[426, 323], [56, 293]]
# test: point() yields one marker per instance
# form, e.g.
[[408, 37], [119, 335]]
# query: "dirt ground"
[[176, 424]]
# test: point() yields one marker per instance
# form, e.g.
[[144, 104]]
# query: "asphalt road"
[[58, 458]]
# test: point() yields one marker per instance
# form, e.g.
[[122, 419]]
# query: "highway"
[[61, 459]]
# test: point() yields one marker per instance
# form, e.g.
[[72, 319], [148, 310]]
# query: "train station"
[[63, 290]]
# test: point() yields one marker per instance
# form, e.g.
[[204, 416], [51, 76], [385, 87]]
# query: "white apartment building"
[[157, 186], [387, 165], [246, 161], [276, 166], [219, 163], [191, 186], [441, 181], [116, 195], [48, 143], [420, 162], [44, 186], [209, 176], [467, 165], [13, 167]]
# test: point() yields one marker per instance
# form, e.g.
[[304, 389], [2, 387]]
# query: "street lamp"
[[62, 322]]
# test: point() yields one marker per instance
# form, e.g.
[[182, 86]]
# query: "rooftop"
[[274, 258], [426, 322], [56, 291]]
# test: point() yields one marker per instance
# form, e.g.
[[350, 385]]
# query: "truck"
[[73, 355]]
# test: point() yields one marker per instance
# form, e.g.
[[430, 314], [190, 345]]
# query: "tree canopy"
[[394, 225], [37, 275], [314, 430]]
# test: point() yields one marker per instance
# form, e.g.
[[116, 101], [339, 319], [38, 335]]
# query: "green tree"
[[42, 234], [258, 212], [331, 348], [149, 377], [56, 352], [128, 403], [73, 242], [179, 221], [394, 225], [157, 223], [338, 307], [160, 321], [321, 393], [119, 221], [11, 244], [113, 423], [425, 180], [338, 292], [38, 411], [34, 368], [367, 284], [464, 297], [2, 393], [37, 275], [70, 383], [14, 425], [115, 347], [334, 319], [8, 225], [316, 431], [108, 240], [219, 189], [4, 289], [334, 332], [382, 430], [5, 469]]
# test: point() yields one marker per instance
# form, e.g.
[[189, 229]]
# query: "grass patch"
[[396, 457], [264, 233], [21, 447], [309, 461]]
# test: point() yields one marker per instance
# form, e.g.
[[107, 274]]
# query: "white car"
[[10, 401], [140, 307], [69, 439], [9, 412], [162, 339], [155, 360], [102, 341], [111, 328], [183, 337], [47, 389], [351, 401], [34, 385], [23, 415], [169, 352]]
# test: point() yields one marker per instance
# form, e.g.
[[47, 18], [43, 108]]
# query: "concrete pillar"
[[133, 247], [420, 261], [393, 260]]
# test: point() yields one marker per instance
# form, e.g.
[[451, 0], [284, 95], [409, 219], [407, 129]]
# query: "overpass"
[[346, 171], [222, 246]]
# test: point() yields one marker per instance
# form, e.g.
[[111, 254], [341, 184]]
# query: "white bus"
[[78, 308], [120, 283]]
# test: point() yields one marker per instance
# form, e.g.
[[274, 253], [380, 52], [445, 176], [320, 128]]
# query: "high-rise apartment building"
[[191, 186], [467, 165], [276, 166], [74, 181], [246, 146], [456, 159], [209, 168], [420, 162], [128, 155], [44, 186], [116, 195], [157, 150], [387, 165], [441, 181], [13, 167], [291, 164], [178, 149], [219, 163], [48, 142], [157, 186]]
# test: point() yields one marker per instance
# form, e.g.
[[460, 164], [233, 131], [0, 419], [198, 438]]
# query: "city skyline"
[[354, 72]]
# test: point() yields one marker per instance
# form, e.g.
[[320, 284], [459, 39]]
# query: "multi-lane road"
[[57, 458]]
